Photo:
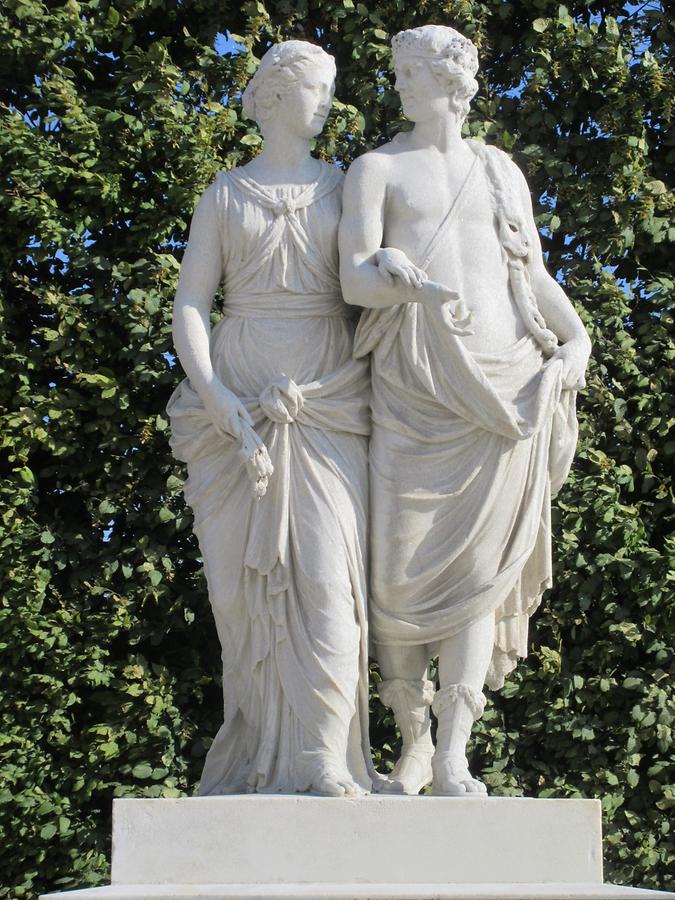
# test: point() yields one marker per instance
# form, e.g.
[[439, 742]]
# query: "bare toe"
[[474, 786], [448, 788], [391, 786], [328, 774], [355, 790], [329, 786]]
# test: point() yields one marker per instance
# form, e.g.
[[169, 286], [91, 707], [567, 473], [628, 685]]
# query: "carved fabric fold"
[[467, 450], [286, 573]]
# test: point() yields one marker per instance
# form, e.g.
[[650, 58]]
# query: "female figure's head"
[[293, 85], [435, 66]]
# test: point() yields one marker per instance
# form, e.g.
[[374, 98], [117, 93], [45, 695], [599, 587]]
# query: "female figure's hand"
[[225, 410], [256, 458], [230, 417]]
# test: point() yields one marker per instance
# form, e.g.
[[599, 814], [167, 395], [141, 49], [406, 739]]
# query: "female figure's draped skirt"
[[286, 572]]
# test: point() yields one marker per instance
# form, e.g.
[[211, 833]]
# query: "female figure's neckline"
[[268, 178]]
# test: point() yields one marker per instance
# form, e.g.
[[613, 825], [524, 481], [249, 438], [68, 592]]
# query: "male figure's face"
[[422, 95]]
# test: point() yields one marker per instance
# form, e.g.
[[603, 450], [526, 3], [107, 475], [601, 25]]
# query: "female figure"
[[272, 422]]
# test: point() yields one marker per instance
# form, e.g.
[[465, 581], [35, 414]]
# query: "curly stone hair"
[[452, 57]]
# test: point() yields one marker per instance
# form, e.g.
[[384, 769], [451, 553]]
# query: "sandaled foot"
[[452, 778], [378, 781], [411, 773]]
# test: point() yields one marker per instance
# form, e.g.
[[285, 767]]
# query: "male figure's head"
[[435, 68]]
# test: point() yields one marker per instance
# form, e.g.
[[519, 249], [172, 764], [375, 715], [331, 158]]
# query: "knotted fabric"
[[294, 661], [338, 402], [281, 401]]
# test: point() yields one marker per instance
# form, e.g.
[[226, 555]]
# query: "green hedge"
[[113, 121]]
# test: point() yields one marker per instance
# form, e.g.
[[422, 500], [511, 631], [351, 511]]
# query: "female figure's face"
[[306, 103]]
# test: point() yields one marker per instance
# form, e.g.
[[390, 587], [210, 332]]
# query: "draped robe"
[[285, 572], [467, 449]]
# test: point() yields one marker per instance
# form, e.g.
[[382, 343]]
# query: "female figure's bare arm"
[[200, 275]]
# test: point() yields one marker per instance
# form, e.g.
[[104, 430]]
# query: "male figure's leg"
[[406, 689], [464, 659], [463, 663]]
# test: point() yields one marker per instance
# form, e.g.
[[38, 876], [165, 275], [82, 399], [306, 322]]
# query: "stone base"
[[374, 847], [371, 892]]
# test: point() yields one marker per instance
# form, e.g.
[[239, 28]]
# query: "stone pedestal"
[[374, 847]]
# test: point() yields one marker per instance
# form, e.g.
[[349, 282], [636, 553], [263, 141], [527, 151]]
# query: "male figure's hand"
[[574, 355], [456, 316], [394, 263]]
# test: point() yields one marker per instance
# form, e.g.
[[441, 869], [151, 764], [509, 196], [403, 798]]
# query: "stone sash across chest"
[[510, 224]]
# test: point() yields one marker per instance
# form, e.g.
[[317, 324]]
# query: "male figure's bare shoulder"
[[381, 163]]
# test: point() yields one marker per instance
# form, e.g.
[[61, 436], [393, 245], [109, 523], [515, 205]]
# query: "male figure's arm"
[[553, 303], [360, 237], [370, 275]]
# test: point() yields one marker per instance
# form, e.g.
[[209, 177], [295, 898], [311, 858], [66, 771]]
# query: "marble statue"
[[272, 421], [476, 356]]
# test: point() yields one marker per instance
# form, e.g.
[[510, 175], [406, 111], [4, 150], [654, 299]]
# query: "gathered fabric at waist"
[[286, 305]]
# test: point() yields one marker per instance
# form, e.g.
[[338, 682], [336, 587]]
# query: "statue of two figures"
[[384, 479]]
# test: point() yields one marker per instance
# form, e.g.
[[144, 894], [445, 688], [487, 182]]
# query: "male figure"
[[473, 405]]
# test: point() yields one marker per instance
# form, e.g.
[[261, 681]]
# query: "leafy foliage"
[[114, 119]]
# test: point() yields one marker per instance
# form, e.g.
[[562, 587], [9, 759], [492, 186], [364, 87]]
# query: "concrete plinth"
[[375, 847]]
